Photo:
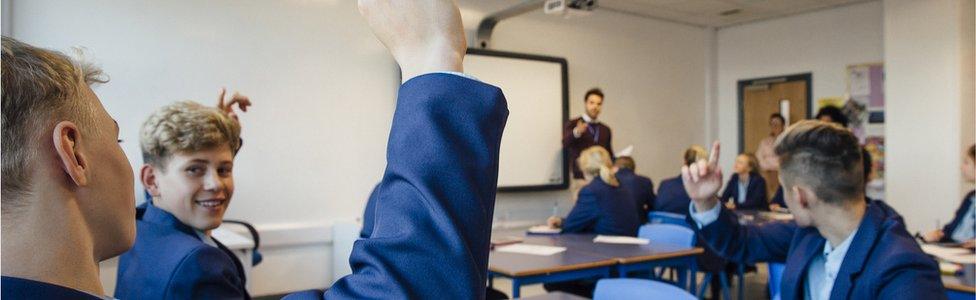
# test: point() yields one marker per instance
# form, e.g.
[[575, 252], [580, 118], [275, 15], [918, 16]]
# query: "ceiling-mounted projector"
[[569, 8]]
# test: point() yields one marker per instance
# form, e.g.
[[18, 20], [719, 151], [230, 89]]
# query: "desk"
[[529, 269], [757, 217], [585, 259], [960, 286]]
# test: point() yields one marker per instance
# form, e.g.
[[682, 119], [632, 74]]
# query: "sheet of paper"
[[777, 216], [968, 258], [613, 239], [543, 229], [941, 251], [531, 249]]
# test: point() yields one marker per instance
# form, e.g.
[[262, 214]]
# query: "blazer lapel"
[[810, 244], [864, 240]]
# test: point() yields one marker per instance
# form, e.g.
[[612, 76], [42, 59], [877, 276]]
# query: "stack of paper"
[[531, 249], [613, 239]]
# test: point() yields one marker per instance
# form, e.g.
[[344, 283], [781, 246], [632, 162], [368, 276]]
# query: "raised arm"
[[433, 208], [720, 228]]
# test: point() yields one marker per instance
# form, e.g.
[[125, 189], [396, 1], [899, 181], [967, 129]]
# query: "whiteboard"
[[532, 156]]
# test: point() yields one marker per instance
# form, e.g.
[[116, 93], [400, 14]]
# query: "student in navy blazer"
[[671, 196], [189, 152], [602, 207], [640, 189], [754, 196], [67, 185], [962, 228], [838, 246]]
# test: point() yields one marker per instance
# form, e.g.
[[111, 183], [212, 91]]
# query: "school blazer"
[[672, 197], [755, 192], [957, 219], [15, 288], [883, 261], [429, 227], [602, 209], [169, 261], [640, 189]]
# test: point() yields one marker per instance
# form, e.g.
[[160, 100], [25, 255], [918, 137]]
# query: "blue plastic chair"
[[775, 279], [630, 288], [660, 217], [667, 234]]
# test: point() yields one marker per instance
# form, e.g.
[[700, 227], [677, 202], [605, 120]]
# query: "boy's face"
[[197, 187]]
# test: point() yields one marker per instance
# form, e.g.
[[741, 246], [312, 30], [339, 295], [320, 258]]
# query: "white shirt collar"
[[588, 120]]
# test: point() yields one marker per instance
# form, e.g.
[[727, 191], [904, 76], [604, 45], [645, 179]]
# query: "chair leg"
[[742, 279], [724, 280], [704, 285]]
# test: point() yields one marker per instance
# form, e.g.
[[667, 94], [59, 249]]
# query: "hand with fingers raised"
[[703, 180], [243, 102]]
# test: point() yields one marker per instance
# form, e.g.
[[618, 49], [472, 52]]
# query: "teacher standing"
[[586, 131]]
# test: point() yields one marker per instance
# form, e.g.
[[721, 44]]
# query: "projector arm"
[[487, 25]]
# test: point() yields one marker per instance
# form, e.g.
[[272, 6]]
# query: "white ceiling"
[[704, 13]]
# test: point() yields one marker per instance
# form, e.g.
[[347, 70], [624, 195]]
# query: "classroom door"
[[760, 98]]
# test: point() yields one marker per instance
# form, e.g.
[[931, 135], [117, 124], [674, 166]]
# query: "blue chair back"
[[775, 278], [631, 288], [667, 234], [660, 217]]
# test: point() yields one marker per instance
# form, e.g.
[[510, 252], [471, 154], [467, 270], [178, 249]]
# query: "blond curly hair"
[[186, 127]]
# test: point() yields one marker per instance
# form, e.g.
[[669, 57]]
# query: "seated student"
[[671, 196], [746, 189], [189, 151], [602, 207], [962, 229], [839, 246], [67, 198], [639, 188]]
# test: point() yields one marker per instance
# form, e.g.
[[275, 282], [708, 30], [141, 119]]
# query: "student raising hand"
[[703, 179], [423, 36]]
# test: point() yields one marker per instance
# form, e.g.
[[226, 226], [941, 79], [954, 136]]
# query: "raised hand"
[[703, 179], [423, 35], [243, 102]]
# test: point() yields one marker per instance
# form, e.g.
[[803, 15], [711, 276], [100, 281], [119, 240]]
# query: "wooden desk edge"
[[960, 288], [595, 264], [639, 259]]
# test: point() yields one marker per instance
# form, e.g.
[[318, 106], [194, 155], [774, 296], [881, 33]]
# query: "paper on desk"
[[531, 249], [613, 239], [544, 229], [950, 254], [778, 216]]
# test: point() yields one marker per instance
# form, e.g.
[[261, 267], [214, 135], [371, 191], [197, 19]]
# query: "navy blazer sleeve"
[[584, 215], [198, 276], [756, 195], [746, 243], [433, 210]]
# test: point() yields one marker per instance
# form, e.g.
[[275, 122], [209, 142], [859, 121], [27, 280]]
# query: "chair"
[[672, 234], [660, 217], [775, 279], [630, 288]]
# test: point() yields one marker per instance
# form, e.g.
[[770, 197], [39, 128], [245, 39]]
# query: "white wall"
[[323, 90], [823, 43], [653, 74], [324, 87], [929, 90]]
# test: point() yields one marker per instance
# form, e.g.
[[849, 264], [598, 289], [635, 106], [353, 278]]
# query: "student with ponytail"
[[602, 207]]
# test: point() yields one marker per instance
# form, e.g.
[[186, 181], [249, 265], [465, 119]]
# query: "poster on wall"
[[865, 109]]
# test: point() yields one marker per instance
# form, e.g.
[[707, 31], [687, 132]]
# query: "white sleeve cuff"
[[456, 74], [576, 135], [706, 217]]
